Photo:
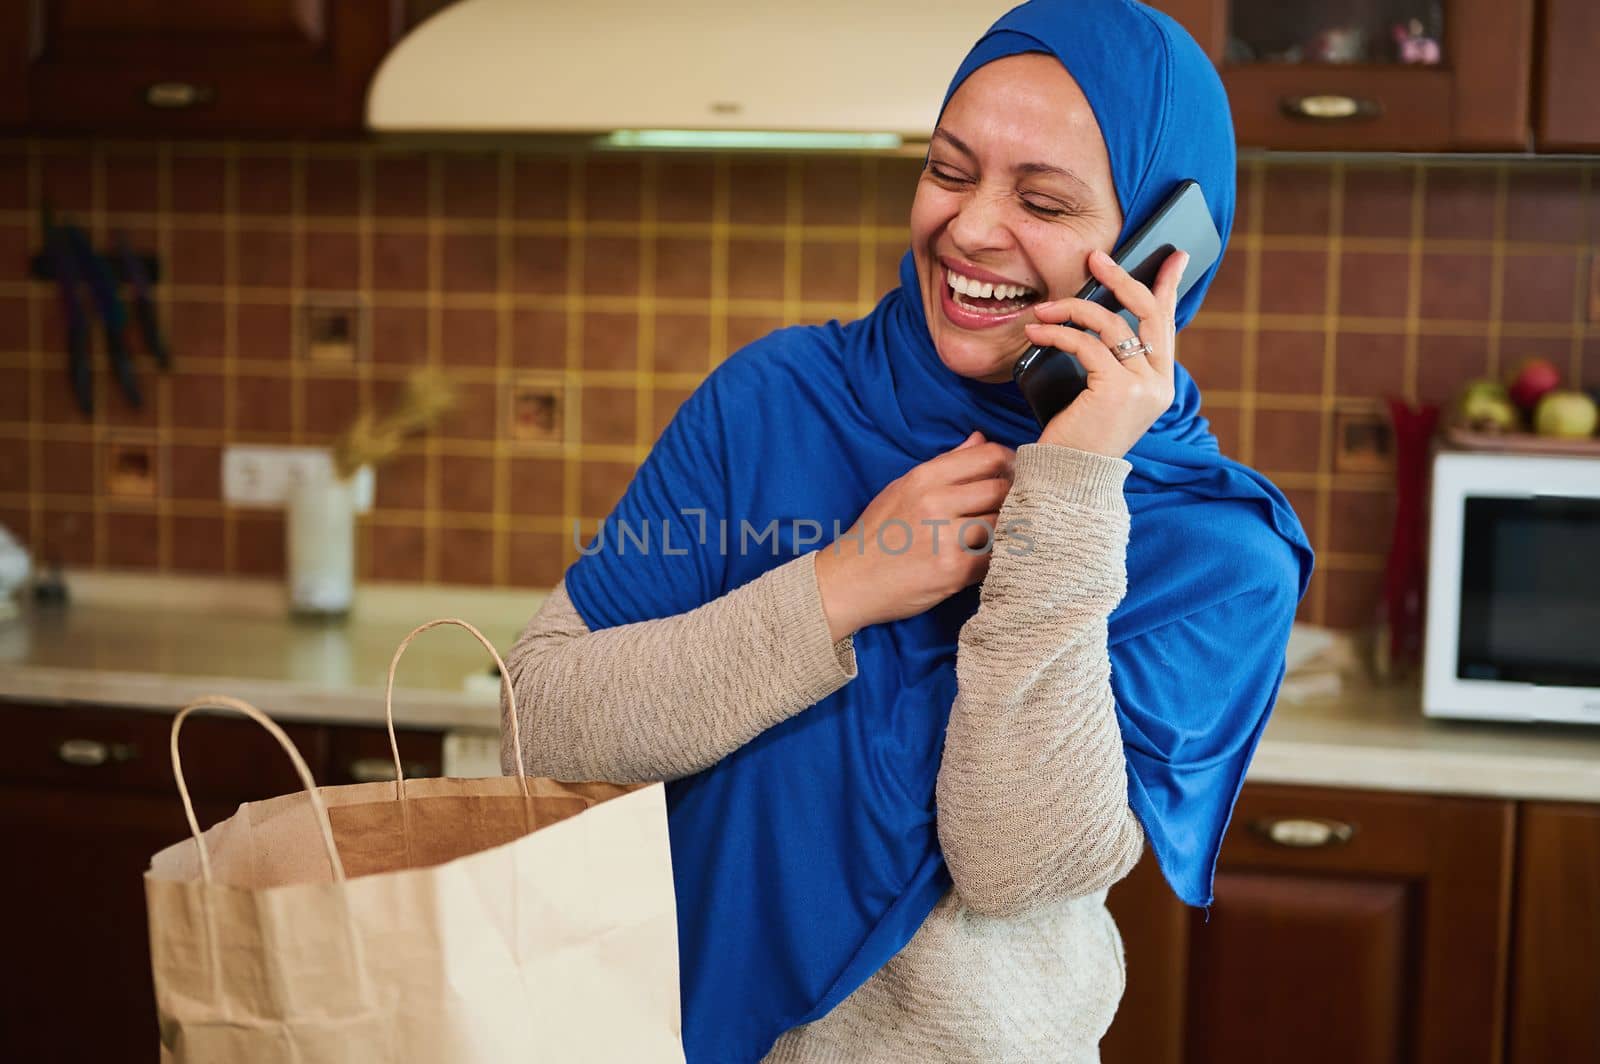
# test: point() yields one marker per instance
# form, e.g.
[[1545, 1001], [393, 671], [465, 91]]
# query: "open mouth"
[[982, 297]]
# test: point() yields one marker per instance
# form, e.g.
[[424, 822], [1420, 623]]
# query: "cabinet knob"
[[177, 95], [381, 770], [91, 753], [1329, 107], [1305, 833]]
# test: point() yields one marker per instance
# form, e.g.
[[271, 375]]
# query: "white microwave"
[[1513, 619]]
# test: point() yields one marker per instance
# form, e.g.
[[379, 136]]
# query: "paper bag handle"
[[240, 706], [505, 684]]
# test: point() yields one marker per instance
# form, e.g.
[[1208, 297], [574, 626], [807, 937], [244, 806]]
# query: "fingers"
[[1167, 279], [1156, 313], [971, 441], [980, 461], [1129, 292], [974, 498], [1093, 353], [1162, 357], [977, 531], [1110, 326]]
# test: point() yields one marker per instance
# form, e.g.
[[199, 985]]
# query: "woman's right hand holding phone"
[[924, 537]]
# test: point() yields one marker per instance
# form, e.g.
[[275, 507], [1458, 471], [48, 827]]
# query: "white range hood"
[[684, 70]]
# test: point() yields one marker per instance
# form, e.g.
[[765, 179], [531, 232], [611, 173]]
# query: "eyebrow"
[[1042, 169]]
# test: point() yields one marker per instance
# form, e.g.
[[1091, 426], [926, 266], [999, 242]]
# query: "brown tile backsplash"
[[616, 282]]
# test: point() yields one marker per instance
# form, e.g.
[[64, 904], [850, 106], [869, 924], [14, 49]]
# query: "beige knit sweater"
[[1020, 963]]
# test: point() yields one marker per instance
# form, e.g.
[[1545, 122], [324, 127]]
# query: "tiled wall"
[[618, 281]]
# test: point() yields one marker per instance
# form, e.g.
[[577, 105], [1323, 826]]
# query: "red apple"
[[1531, 379]]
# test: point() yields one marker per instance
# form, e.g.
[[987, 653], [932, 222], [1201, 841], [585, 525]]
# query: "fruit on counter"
[[1485, 407], [1532, 378], [1565, 413]]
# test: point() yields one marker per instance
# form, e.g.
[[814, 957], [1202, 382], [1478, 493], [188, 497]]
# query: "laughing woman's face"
[[1016, 193]]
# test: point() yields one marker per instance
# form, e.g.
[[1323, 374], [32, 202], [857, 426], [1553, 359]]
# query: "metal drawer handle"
[[176, 95], [1330, 107], [381, 770], [1305, 833], [91, 753]]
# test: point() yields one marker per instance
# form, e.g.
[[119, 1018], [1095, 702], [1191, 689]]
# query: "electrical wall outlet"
[[263, 476]]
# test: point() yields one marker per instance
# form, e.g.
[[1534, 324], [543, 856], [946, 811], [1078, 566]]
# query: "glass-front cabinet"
[[1403, 75]]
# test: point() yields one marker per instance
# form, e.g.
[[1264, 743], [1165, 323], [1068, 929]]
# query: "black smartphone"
[[1051, 378]]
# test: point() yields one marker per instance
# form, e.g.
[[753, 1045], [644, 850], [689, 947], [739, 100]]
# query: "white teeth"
[[984, 290]]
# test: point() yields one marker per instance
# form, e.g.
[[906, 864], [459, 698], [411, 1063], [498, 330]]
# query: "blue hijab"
[[809, 857]]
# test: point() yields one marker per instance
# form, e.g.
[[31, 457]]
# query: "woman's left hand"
[[1123, 398]]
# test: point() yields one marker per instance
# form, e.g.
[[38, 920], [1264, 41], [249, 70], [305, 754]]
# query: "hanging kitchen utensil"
[[63, 264], [103, 290], [144, 307]]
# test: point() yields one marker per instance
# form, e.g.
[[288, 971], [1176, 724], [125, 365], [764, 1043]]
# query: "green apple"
[[1483, 386], [1485, 407], [1566, 413]]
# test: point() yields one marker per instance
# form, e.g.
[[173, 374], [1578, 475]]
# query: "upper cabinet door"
[[1395, 75], [179, 67], [1569, 77]]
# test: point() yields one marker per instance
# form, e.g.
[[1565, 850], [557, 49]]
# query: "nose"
[[980, 224]]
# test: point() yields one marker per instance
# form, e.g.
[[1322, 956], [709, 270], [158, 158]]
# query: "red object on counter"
[[1406, 575]]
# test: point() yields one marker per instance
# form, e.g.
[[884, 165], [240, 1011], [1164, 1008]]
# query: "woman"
[[896, 806]]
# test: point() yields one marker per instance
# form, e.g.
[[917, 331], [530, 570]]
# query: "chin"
[[982, 359]]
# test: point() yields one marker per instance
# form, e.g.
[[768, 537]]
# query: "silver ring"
[[1132, 347]]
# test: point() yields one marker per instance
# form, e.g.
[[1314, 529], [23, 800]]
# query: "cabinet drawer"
[[224, 759], [361, 754], [1358, 832]]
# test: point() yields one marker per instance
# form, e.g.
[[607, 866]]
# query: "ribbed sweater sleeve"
[[663, 699], [1032, 790]]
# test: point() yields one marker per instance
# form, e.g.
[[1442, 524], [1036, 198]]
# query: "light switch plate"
[[262, 476]]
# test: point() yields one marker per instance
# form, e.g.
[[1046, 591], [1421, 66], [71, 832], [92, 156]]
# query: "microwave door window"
[[1530, 591]]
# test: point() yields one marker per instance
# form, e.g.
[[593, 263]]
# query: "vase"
[[321, 528]]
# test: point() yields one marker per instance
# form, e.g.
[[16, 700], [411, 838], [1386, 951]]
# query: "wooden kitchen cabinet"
[[1291, 86], [1568, 117], [362, 755], [86, 798], [191, 67], [1555, 965], [1348, 927]]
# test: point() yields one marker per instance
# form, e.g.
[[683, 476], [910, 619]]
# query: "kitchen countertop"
[[159, 642]]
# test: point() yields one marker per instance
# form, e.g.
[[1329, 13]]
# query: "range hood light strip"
[[750, 139]]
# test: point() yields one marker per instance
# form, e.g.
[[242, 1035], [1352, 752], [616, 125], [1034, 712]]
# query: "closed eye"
[[949, 177], [1046, 209]]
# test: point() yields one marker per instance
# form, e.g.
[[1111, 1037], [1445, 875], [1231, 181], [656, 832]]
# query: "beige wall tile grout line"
[[297, 288], [1330, 369], [794, 191], [103, 384], [717, 307], [1497, 270], [432, 542], [1583, 259], [230, 342], [645, 327], [572, 404], [505, 365], [817, 233], [1411, 370], [366, 347], [38, 372], [1249, 319]]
